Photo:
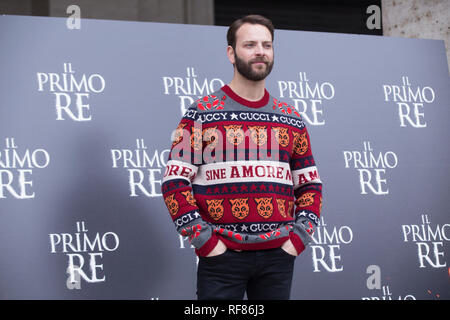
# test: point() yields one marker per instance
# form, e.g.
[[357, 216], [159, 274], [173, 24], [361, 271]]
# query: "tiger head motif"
[[172, 204], [281, 207], [258, 134], [235, 134], [189, 198], [282, 136], [210, 137], [196, 138], [178, 135], [300, 143], [264, 207], [306, 199], [239, 207], [215, 208]]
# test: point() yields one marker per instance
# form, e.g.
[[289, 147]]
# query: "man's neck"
[[247, 89]]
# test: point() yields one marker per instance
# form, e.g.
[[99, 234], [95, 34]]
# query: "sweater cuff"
[[209, 245], [297, 242]]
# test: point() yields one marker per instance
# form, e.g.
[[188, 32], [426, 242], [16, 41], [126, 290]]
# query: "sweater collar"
[[252, 104]]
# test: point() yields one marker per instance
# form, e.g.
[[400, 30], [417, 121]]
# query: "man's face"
[[253, 55]]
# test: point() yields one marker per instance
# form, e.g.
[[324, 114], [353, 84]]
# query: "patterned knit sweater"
[[242, 171]]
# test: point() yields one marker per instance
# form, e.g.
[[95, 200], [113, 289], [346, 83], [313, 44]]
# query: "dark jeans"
[[263, 274]]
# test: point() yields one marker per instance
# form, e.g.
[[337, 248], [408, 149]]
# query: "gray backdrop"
[[86, 117]]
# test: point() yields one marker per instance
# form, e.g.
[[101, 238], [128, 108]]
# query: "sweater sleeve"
[[307, 190], [182, 167]]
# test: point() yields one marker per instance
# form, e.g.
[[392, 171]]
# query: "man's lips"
[[259, 62]]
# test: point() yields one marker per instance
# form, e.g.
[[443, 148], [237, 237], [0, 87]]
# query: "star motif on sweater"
[[302, 214], [234, 116]]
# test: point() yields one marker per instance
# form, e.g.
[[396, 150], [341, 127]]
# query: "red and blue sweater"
[[243, 172]]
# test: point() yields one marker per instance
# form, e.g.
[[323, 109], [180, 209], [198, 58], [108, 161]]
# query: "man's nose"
[[259, 50]]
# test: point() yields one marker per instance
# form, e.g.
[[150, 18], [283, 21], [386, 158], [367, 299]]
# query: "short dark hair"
[[253, 19]]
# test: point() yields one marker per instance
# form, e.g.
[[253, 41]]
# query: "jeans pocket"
[[213, 258], [285, 253]]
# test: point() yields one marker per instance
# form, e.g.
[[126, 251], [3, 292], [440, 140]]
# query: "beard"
[[246, 70]]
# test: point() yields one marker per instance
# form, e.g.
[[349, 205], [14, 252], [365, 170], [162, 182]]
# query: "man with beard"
[[238, 212]]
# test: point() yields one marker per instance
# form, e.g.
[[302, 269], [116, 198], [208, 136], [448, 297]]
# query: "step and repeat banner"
[[86, 118]]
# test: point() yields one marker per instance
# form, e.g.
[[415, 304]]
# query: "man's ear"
[[230, 54]]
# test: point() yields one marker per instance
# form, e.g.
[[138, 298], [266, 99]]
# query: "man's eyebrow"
[[253, 41]]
